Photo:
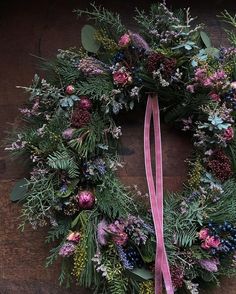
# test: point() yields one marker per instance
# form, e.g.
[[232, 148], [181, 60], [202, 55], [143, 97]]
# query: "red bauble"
[[70, 89], [85, 199], [85, 103]]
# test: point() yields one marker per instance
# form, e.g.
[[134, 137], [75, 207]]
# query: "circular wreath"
[[104, 230]]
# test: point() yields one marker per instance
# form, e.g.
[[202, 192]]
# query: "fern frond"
[[61, 160]]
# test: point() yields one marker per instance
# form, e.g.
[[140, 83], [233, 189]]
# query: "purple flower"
[[210, 264], [190, 88], [138, 41], [68, 133], [101, 232], [123, 258], [91, 66], [67, 249]]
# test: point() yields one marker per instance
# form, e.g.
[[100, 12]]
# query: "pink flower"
[[219, 75], [203, 234], [215, 97], [120, 238], [207, 82], [124, 40], [74, 237], [210, 264], [229, 134], [190, 88], [200, 74], [211, 242], [121, 77], [70, 89]]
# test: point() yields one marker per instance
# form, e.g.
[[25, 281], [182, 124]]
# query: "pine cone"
[[80, 118]]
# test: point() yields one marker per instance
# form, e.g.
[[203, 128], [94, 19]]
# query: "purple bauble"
[[85, 103], [85, 199]]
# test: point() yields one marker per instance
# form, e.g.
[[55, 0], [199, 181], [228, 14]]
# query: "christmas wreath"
[[104, 232]]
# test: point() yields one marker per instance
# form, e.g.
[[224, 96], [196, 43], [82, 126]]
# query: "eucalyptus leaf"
[[142, 273], [87, 38], [19, 190], [205, 39], [212, 52]]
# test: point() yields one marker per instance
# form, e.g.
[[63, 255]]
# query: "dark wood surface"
[[39, 28]]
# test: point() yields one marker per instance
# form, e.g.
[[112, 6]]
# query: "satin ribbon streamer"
[[156, 193]]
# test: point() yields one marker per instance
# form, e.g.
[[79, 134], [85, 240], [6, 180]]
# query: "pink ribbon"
[[156, 194]]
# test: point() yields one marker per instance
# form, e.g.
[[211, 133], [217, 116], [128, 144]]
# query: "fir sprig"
[[104, 18]]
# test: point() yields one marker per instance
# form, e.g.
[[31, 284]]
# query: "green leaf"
[[205, 39], [87, 38], [19, 190], [75, 221], [142, 273]]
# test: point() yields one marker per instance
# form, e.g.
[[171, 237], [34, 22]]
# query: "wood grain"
[[39, 28]]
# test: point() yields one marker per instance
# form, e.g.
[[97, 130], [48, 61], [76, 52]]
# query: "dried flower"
[[123, 258], [211, 242], [138, 41], [210, 264], [90, 66], [214, 97], [229, 134], [67, 249], [124, 41], [68, 133], [190, 88], [177, 276], [70, 89], [102, 232], [220, 165], [74, 237], [203, 234], [80, 118], [122, 77]]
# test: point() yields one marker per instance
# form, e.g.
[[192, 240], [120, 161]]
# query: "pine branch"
[[95, 88], [58, 231], [104, 18], [231, 20], [122, 203], [89, 137]]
